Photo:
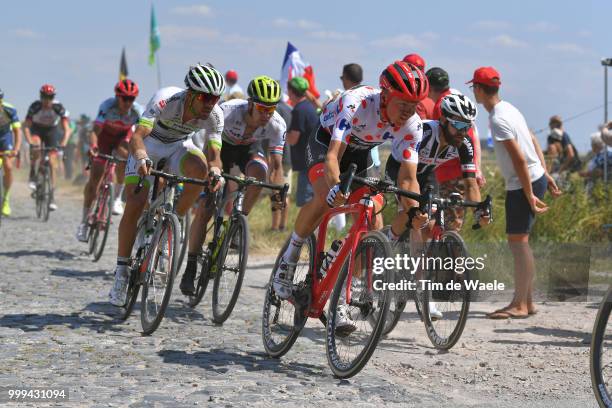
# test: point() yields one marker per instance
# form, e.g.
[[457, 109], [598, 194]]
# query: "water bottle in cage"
[[330, 256]]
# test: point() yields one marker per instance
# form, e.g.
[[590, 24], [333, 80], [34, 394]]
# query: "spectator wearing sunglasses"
[[521, 162]]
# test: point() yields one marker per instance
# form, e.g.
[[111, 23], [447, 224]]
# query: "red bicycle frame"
[[363, 212], [102, 190]]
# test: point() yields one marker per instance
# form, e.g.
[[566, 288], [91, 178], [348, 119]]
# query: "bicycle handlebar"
[[426, 200], [171, 177], [112, 158]]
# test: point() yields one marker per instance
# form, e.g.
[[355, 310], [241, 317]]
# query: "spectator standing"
[[232, 90], [304, 122], [521, 162]]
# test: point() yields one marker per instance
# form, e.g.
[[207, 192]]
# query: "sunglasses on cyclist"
[[459, 125], [265, 108], [207, 98], [128, 98], [47, 97]]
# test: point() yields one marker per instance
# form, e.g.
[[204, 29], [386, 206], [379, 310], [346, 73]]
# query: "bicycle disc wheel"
[[103, 222], [231, 264], [601, 360], [283, 319], [453, 304], [185, 229], [161, 269], [348, 350]]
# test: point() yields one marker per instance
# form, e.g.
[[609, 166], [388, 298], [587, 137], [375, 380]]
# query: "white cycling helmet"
[[205, 78], [459, 106]]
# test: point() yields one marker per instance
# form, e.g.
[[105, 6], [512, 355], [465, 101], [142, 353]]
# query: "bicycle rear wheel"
[[99, 232], [601, 342], [349, 351], [398, 300], [202, 278], [453, 304], [231, 264], [283, 319], [161, 263]]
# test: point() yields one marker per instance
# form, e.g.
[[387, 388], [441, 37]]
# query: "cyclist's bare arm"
[[26, 131], [67, 131], [213, 157], [93, 135], [276, 169], [17, 137], [472, 191], [332, 162], [407, 180], [137, 148]]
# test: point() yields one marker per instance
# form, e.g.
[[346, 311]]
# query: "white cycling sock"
[[292, 254], [85, 213], [122, 265]]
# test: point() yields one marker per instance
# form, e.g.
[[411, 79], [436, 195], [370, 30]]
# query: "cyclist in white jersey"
[[246, 125], [163, 132], [360, 119]]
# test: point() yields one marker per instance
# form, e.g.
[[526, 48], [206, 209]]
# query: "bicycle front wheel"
[[453, 305], [601, 368], [354, 327], [103, 213], [161, 262], [231, 264], [283, 319], [47, 193]]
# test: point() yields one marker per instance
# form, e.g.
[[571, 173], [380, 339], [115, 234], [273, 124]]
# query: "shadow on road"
[[98, 321], [574, 338], [218, 360], [81, 275], [61, 255]]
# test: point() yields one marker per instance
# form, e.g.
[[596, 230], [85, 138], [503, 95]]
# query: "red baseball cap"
[[416, 60], [231, 75], [486, 76]]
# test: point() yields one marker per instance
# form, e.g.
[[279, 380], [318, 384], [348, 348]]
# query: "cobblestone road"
[[57, 330]]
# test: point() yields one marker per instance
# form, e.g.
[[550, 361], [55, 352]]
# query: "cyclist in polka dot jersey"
[[358, 120]]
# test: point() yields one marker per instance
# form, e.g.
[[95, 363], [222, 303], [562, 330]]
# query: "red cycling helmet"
[[47, 89], [405, 81], [416, 60], [127, 87]]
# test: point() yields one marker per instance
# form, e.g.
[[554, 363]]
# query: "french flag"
[[294, 65]]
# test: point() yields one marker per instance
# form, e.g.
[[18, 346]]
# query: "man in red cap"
[[521, 162], [232, 90], [426, 106]]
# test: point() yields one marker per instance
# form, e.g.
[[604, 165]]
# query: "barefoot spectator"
[[522, 164]]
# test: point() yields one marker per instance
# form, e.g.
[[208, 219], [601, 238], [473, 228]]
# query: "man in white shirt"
[[522, 164]]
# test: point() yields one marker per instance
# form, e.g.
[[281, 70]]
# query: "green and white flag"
[[153, 37]]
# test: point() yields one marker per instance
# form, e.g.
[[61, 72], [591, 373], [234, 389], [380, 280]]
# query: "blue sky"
[[547, 52]]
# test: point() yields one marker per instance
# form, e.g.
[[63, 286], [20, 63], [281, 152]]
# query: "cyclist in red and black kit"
[[42, 127], [111, 133]]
